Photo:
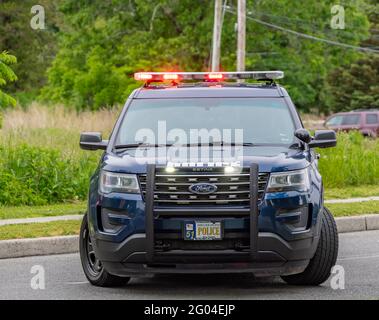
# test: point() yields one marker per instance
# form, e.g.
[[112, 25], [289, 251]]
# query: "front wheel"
[[318, 270], [92, 267]]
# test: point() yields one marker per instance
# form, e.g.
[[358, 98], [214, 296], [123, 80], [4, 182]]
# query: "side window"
[[372, 118], [351, 119]]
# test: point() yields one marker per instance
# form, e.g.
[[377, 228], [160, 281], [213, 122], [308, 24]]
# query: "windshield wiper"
[[219, 144], [154, 145], [139, 145]]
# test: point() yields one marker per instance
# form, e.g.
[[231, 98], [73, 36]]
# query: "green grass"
[[354, 162], [42, 211], [352, 192], [36, 230], [353, 209]]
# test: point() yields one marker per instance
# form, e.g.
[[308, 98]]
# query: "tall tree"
[[372, 9], [105, 41], [35, 49], [356, 85], [6, 75]]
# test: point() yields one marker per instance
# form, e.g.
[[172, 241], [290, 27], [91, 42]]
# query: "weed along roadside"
[[354, 162]]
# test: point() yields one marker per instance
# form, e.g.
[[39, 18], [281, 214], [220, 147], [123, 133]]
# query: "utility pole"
[[216, 44], [241, 37]]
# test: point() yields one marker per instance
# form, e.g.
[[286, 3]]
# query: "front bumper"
[[275, 256]]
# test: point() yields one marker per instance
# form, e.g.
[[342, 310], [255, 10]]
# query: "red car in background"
[[365, 121]]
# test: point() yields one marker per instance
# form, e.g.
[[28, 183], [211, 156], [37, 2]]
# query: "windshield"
[[258, 120]]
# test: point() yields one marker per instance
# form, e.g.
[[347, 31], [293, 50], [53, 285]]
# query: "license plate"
[[202, 230]]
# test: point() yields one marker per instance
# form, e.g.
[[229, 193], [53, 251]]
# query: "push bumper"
[[129, 258]]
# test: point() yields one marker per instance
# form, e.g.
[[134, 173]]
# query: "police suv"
[[208, 173]]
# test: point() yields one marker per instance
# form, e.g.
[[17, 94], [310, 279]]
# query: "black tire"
[[318, 270], [92, 267]]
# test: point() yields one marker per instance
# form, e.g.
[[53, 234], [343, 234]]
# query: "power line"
[[302, 23], [307, 36]]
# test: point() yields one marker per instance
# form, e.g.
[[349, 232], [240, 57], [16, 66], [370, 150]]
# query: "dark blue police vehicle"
[[160, 202]]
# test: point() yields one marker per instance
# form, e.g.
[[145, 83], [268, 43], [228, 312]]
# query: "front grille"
[[172, 189]]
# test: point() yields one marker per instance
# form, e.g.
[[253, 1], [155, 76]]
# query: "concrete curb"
[[358, 223], [70, 244], [38, 246]]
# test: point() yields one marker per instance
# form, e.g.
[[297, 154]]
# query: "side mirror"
[[323, 139], [303, 135], [92, 141]]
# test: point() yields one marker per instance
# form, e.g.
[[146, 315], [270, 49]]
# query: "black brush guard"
[[149, 212]]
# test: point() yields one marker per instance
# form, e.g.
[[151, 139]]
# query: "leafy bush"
[[31, 175]]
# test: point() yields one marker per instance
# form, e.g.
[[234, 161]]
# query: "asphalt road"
[[64, 279]]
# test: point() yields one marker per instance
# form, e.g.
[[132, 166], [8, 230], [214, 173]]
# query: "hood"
[[269, 158]]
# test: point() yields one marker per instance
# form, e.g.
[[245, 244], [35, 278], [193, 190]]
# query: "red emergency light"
[[215, 76]]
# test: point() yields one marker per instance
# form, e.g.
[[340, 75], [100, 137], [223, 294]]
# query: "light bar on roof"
[[208, 76]]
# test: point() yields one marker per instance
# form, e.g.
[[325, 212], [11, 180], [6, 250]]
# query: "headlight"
[[118, 182], [291, 180]]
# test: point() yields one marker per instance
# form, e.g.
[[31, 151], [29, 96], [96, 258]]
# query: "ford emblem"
[[202, 188]]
